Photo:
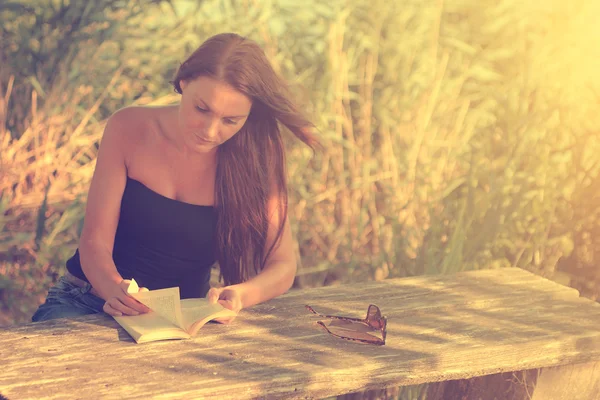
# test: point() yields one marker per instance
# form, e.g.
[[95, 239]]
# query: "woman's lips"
[[201, 140]]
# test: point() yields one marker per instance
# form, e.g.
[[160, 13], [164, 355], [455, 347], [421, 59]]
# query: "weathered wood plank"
[[439, 328]]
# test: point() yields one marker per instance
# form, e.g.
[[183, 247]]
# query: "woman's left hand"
[[229, 298]]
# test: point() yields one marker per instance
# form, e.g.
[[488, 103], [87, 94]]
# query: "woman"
[[177, 188]]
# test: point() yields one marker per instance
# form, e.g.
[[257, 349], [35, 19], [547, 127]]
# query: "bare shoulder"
[[132, 124], [127, 121], [135, 114]]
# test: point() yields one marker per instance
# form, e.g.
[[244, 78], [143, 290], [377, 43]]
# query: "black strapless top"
[[161, 242]]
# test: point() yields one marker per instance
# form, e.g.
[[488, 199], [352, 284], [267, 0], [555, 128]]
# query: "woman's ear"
[[182, 84]]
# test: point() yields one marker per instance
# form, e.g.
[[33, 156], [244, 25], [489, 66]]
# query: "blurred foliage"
[[458, 135]]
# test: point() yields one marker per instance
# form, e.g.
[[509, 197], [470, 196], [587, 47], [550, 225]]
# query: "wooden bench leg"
[[517, 385], [569, 382]]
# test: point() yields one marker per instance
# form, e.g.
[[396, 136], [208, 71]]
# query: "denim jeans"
[[66, 299]]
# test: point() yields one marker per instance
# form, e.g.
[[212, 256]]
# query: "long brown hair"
[[251, 165]]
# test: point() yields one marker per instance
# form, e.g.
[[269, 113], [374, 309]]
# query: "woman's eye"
[[230, 122], [202, 110]]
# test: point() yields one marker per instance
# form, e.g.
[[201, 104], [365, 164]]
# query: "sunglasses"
[[356, 329]]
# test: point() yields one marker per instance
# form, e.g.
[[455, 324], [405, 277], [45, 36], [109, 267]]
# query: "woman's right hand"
[[119, 302]]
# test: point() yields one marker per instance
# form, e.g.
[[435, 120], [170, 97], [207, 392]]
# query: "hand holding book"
[[119, 299], [227, 297], [170, 317]]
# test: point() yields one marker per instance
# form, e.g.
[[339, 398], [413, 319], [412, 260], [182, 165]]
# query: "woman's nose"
[[212, 129]]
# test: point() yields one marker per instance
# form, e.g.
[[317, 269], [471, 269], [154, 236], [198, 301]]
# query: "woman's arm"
[[275, 278], [278, 274], [102, 216]]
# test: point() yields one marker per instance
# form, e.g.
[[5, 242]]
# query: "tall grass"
[[458, 135], [453, 140]]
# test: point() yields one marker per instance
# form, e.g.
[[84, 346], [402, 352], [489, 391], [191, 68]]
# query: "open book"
[[170, 317]]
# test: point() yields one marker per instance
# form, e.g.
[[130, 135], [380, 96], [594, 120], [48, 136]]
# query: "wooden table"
[[440, 328]]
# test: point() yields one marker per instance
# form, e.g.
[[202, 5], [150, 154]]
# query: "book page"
[[197, 312], [165, 302], [149, 327]]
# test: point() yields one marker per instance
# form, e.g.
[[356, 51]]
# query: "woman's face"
[[210, 113]]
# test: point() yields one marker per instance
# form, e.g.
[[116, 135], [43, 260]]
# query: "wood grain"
[[439, 328]]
